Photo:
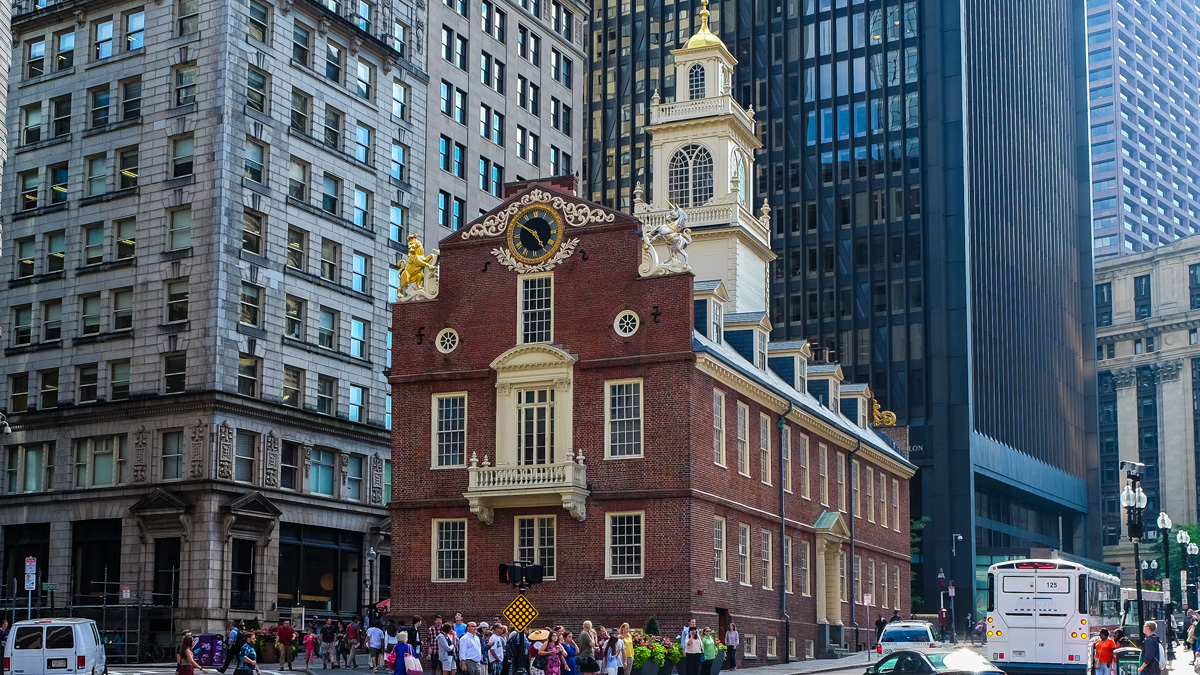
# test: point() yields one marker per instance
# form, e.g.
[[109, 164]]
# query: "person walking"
[[247, 663], [352, 632], [708, 653], [328, 644], [375, 646], [310, 647], [614, 654], [693, 649], [732, 641], [1152, 651], [231, 647], [414, 636], [1103, 658], [185, 660], [287, 645], [401, 650]]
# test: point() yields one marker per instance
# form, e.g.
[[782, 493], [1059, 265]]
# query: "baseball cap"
[[484, 625]]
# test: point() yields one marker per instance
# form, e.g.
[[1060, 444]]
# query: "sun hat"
[[539, 634]]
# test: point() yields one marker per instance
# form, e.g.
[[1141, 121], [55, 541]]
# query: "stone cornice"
[[1148, 327]]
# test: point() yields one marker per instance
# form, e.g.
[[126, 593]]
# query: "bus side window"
[[1083, 594], [991, 592]]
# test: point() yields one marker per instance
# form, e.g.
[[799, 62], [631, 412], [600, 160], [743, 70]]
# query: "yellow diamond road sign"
[[520, 613]]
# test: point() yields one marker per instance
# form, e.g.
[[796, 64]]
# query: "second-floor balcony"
[[562, 482]]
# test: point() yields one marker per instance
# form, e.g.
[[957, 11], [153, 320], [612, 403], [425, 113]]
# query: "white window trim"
[[805, 467], [608, 573], [521, 279], [764, 448], [772, 647], [535, 516], [722, 572], [823, 473], [767, 541], [789, 554], [789, 457], [743, 438], [433, 551], [896, 504], [806, 584], [744, 528], [718, 394], [869, 497], [433, 430], [750, 646], [608, 417]]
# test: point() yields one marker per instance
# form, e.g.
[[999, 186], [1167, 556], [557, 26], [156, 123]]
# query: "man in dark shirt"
[[880, 624], [328, 639], [1151, 650]]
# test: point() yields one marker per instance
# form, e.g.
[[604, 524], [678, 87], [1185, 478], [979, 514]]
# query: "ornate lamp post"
[[1193, 550], [1133, 499], [1150, 570]]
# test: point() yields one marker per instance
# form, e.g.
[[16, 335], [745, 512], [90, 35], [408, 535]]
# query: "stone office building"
[[205, 201], [1148, 358], [506, 100]]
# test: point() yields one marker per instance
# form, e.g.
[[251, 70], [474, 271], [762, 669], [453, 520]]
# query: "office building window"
[[244, 457], [248, 374], [172, 455], [326, 395]]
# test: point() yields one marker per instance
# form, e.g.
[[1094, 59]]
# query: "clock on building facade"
[[535, 233]]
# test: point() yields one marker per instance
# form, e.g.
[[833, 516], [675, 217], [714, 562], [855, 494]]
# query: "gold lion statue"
[[413, 282]]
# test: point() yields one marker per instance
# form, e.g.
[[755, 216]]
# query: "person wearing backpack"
[[1152, 651]]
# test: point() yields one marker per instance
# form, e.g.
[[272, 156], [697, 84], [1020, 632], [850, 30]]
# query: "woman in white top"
[[693, 650]]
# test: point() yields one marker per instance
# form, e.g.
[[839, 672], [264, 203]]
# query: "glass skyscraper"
[[1144, 94], [927, 168]]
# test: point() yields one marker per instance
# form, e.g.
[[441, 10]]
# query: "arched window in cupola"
[[690, 176], [696, 82]]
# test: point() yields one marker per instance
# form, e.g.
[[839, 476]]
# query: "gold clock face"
[[535, 233]]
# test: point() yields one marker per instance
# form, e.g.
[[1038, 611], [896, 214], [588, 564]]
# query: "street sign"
[[520, 613], [952, 591], [1166, 586], [47, 586], [30, 581], [867, 600], [31, 565]]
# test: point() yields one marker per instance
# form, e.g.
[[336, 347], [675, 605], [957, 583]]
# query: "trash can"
[[1128, 659]]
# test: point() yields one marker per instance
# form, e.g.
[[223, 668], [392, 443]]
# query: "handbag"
[[390, 660], [541, 662], [589, 665], [412, 665]]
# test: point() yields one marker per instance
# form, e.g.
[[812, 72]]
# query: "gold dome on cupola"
[[704, 37]]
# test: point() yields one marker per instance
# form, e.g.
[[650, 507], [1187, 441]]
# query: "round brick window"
[[627, 323], [447, 340]]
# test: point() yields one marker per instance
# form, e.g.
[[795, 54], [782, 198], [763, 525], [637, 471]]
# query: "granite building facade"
[[1144, 95], [901, 156], [1148, 358], [506, 100], [205, 201]]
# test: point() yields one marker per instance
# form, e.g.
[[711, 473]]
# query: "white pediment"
[[533, 357]]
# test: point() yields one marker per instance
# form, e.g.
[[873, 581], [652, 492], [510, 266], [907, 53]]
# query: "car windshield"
[[906, 635], [960, 660]]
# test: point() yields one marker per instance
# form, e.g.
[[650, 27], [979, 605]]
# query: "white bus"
[[1155, 604], [1042, 613]]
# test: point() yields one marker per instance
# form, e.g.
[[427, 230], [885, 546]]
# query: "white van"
[[54, 647]]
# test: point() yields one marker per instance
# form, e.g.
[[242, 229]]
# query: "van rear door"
[[60, 649], [27, 650]]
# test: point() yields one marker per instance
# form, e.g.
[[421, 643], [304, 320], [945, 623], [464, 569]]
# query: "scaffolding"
[[123, 616]]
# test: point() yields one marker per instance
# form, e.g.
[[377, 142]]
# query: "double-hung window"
[[744, 554], [449, 430], [624, 418], [534, 542], [624, 545], [537, 309], [450, 550]]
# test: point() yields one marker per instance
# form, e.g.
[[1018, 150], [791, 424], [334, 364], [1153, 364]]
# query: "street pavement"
[[853, 664]]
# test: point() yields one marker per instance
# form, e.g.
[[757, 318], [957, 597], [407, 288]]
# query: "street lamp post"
[[1183, 539], [1193, 550], [1150, 570], [1133, 499]]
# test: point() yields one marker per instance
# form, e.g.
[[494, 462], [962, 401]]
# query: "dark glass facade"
[[926, 166]]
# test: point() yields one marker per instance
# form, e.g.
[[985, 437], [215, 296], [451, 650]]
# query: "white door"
[[27, 650], [61, 653]]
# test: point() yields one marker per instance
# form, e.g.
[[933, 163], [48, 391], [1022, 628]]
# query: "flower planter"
[[268, 654], [666, 668]]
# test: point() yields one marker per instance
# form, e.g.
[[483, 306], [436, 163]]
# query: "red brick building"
[[574, 394]]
